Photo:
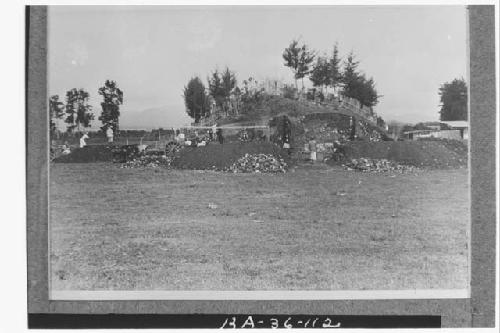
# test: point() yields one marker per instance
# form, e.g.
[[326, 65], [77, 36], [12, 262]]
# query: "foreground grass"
[[315, 228]]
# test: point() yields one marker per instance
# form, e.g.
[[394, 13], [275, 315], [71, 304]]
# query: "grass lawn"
[[318, 227]]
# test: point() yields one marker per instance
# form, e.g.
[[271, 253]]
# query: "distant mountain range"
[[164, 116]]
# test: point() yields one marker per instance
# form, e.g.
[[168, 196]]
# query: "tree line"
[[326, 71], [322, 70], [221, 86], [77, 113]]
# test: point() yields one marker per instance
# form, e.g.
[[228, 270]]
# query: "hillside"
[[270, 106], [308, 119]]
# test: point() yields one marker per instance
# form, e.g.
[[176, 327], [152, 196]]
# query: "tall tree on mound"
[[305, 61], [356, 85], [334, 69], [216, 89], [453, 100], [56, 111], [320, 74], [299, 59], [350, 73], [229, 83], [196, 99], [291, 56], [365, 91], [78, 110], [113, 98]]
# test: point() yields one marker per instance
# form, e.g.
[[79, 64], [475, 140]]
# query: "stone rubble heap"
[[377, 165], [370, 134], [148, 161], [259, 163]]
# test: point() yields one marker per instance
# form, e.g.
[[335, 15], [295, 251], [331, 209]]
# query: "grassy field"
[[318, 227]]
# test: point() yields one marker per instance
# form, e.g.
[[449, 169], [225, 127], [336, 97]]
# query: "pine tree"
[[299, 59], [350, 73], [334, 69], [320, 74], [305, 60], [291, 55], [356, 85], [229, 83]]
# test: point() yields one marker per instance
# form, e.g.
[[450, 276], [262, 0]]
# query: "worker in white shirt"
[[109, 134], [82, 139]]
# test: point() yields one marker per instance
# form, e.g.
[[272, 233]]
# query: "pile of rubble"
[[377, 165], [327, 132], [371, 134], [148, 161], [259, 163], [122, 154]]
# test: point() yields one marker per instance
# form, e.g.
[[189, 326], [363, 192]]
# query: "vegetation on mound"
[[267, 107]]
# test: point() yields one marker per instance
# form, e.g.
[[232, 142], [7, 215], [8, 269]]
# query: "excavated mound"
[[426, 153], [88, 154], [221, 157]]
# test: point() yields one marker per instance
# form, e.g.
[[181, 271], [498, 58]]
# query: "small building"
[[460, 125], [438, 134]]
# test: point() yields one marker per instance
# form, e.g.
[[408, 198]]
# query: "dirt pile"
[[88, 154], [259, 163], [457, 146], [215, 156], [438, 154], [374, 165]]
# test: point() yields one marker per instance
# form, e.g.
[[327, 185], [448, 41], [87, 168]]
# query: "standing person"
[[65, 148], [352, 135], [287, 132], [219, 136], [244, 135], [286, 144], [214, 132], [82, 139], [109, 134], [312, 149]]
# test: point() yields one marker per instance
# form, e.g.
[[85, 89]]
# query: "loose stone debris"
[[377, 165], [259, 163], [148, 161]]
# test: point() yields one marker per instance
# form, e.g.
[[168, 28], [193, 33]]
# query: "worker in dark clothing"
[[286, 144], [219, 136], [353, 129]]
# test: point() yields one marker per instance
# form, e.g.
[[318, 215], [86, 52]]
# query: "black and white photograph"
[[258, 152]]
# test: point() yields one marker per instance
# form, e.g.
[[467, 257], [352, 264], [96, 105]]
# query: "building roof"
[[421, 131], [457, 123]]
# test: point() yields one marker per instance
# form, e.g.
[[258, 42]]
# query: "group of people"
[[85, 136], [212, 134]]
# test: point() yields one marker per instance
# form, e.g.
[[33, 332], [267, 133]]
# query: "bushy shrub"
[[290, 92]]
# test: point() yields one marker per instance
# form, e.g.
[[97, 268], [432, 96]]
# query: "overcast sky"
[[153, 51]]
